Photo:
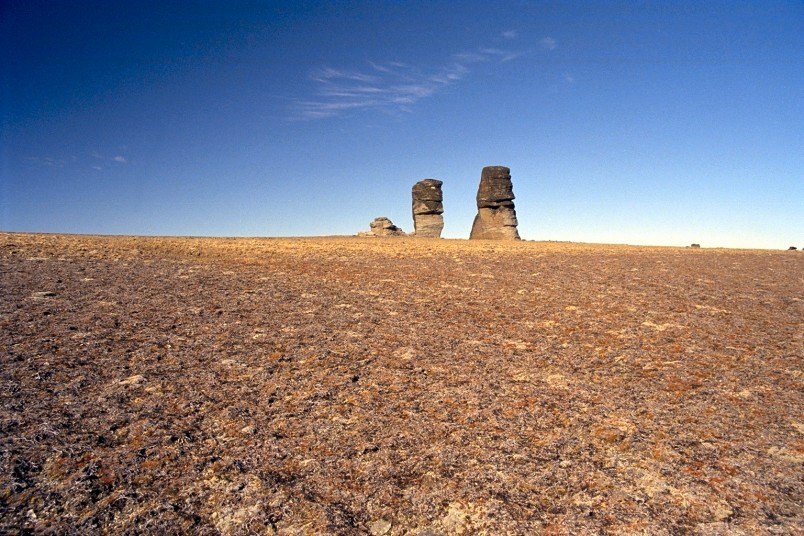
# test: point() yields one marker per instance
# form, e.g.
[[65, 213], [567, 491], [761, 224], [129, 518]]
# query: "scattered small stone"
[[379, 527], [137, 379], [721, 510]]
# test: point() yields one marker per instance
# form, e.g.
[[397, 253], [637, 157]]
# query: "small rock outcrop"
[[382, 226], [496, 217], [428, 208]]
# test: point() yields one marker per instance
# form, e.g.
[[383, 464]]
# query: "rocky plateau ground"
[[398, 386]]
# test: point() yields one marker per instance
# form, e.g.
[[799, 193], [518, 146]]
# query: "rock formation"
[[428, 208], [496, 217], [382, 226]]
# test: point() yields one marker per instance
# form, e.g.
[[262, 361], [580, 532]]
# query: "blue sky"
[[659, 123]]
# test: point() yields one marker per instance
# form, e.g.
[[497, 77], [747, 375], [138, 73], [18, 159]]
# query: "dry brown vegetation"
[[397, 386]]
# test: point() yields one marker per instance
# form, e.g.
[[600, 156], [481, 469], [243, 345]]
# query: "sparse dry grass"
[[397, 386]]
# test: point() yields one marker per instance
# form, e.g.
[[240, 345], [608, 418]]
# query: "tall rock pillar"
[[496, 217], [428, 208]]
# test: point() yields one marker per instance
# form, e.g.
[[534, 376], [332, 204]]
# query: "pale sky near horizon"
[[655, 123]]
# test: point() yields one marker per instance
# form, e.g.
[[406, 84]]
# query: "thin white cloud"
[[502, 55], [390, 86], [510, 34], [569, 78], [326, 75], [548, 43], [93, 159], [46, 161]]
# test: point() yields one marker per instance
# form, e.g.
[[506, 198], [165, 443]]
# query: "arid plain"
[[398, 386]]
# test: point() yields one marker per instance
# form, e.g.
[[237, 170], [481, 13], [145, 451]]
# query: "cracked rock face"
[[428, 208], [496, 217]]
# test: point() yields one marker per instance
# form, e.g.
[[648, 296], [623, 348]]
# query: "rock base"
[[495, 224]]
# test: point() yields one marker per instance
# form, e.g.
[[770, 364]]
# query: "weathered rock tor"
[[428, 208], [382, 226], [496, 217]]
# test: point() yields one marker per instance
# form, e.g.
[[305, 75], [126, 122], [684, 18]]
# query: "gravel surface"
[[398, 386]]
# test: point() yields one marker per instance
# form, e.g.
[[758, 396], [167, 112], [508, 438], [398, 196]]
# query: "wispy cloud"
[[502, 55], [510, 34], [47, 161], [93, 160], [391, 86], [548, 43]]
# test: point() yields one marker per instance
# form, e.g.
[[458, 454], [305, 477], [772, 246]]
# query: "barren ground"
[[398, 386]]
